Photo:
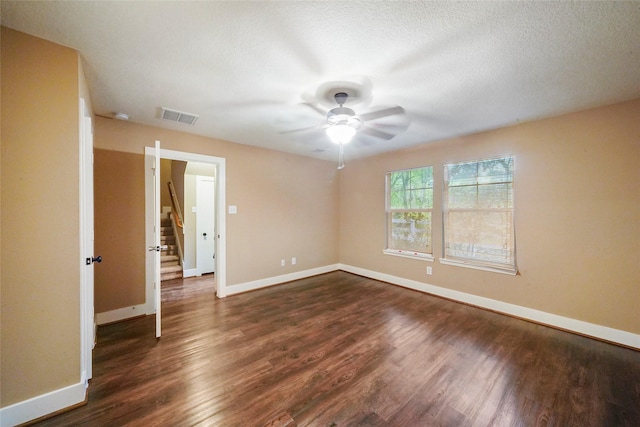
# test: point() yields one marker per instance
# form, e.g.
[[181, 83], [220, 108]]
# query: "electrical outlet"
[[293, 261], [429, 270], [282, 263]]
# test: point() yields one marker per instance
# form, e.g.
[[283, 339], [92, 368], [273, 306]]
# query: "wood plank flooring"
[[343, 350]]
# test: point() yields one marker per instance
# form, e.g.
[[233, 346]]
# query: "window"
[[409, 206], [478, 215]]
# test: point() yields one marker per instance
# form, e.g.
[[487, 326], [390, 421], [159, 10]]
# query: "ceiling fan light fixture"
[[341, 133]]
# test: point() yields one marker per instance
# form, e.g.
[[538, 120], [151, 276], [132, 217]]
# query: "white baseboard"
[[192, 272], [66, 397], [270, 281], [122, 314], [578, 326], [42, 405]]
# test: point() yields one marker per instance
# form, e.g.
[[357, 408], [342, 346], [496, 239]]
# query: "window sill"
[[408, 254], [456, 263]]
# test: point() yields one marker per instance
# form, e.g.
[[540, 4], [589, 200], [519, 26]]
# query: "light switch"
[[233, 209], [194, 209]]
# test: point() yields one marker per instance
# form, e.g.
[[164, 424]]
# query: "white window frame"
[[469, 262], [425, 256]]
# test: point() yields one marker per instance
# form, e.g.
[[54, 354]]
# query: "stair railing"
[[175, 206], [177, 223]]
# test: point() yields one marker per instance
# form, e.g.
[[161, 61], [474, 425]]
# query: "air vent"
[[178, 116]]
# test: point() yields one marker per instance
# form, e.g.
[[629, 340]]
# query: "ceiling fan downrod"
[[343, 124], [341, 98]]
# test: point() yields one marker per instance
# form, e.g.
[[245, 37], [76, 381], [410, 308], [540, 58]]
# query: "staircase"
[[170, 267]]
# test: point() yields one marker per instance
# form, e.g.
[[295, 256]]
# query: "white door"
[[88, 328], [158, 247], [153, 247], [205, 225]]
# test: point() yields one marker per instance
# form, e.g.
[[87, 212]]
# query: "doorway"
[[152, 205], [196, 187]]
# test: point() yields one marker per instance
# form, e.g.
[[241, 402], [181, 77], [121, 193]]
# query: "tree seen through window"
[[409, 210]]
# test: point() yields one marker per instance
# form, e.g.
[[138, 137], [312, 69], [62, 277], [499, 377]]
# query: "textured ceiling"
[[246, 67]]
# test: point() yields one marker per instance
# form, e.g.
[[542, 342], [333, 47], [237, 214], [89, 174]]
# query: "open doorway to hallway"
[[183, 288], [153, 206], [188, 226]]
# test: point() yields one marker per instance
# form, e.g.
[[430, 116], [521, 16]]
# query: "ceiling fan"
[[342, 123]]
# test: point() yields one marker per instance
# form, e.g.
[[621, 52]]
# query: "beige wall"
[[165, 177], [287, 205], [119, 229], [189, 235], [178, 168], [40, 216], [577, 207]]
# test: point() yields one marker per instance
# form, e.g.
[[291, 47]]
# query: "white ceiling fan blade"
[[376, 133], [304, 129], [315, 108], [372, 115]]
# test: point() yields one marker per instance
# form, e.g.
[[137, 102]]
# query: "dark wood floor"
[[342, 350]]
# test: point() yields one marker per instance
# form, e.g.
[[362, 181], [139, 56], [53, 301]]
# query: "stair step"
[[170, 272], [170, 269], [171, 276], [169, 264]]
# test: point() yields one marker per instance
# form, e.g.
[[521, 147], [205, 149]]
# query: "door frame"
[[87, 316], [220, 217]]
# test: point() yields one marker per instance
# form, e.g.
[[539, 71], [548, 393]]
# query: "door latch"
[[90, 261]]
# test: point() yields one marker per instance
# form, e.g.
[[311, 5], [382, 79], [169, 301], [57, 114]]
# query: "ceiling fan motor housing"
[[343, 116], [341, 98]]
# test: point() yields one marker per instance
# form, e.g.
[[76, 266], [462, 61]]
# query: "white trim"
[[86, 243], [408, 254], [578, 326], [456, 263], [192, 272], [122, 314], [42, 405], [157, 296], [276, 280]]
